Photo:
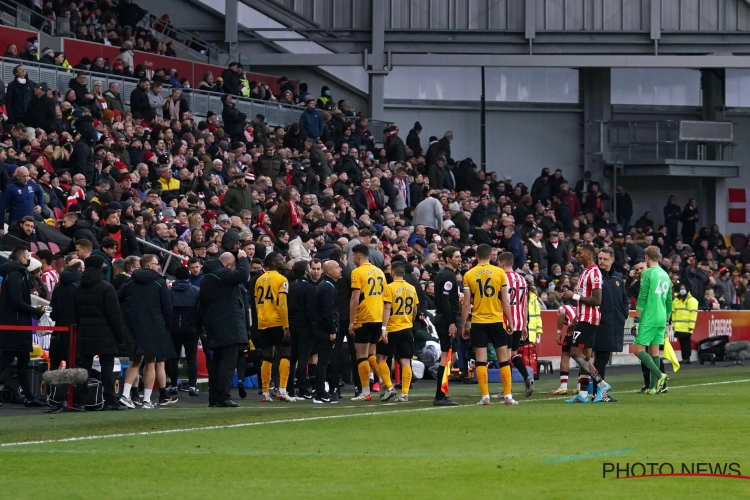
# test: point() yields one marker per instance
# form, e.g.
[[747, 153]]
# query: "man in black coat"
[[412, 140], [82, 159], [62, 312], [233, 119], [301, 313], [556, 251], [40, 112], [343, 294], [77, 229], [394, 146], [139, 104], [147, 307], [100, 329], [16, 309], [615, 306], [19, 95], [231, 80], [184, 329], [222, 313], [325, 327]]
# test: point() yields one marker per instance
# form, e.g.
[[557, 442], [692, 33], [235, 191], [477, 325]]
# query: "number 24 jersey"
[[370, 281]]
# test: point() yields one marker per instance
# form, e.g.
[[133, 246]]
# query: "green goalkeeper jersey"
[[655, 297]]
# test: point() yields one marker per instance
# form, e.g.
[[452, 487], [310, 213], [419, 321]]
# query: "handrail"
[[187, 39], [160, 249], [200, 101], [41, 23]]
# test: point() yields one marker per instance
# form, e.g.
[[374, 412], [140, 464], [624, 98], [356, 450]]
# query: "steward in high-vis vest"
[[535, 316], [684, 314]]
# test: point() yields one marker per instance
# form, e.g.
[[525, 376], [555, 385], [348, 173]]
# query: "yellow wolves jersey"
[[268, 287], [370, 281], [403, 300], [486, 282]]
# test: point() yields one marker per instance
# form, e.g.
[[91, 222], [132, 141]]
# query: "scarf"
[[295, 215], [174, 109], [371, 203]]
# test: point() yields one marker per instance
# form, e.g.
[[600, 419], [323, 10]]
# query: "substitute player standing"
[[365, 315], [652, 311], [589, 298], [490, 320], [518, 298], [400, 302], [448, 315], [270, 294]]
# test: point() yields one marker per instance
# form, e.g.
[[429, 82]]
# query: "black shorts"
[[482, 334], [368, 333], [515, 340], [400, 344], [567, 343], [446, 339], [583, 335], [271, 337]]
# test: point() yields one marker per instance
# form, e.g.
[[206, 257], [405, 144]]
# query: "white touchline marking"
[[301, 419], [216, 427]]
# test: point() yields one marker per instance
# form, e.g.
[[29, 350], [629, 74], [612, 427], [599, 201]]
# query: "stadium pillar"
[[377, 63], [230, 21], [713, 109], [597, 109]]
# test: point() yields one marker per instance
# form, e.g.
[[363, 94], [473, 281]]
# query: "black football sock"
[[518, 364], [646, 375], [439, 391]]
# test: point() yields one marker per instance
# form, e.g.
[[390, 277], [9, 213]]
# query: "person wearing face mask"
[[16, 309], [684, 314], [18, 96]]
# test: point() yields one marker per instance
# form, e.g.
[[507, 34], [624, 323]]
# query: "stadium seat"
[[58, 213], [42, 245], [53, 247], [34, 248]]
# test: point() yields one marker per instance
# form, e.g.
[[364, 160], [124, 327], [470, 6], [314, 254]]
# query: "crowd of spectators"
[[305, 189]]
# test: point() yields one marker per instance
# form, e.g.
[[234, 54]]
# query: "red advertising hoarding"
[[75, 50], [15, 35], [735, 324]]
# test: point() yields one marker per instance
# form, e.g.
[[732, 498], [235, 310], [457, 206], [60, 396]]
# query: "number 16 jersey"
[[370, 281], [485, 282]]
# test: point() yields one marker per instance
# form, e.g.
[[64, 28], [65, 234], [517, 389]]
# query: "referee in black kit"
[[448, 319]]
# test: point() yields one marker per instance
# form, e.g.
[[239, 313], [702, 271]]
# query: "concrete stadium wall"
[[520, 141]]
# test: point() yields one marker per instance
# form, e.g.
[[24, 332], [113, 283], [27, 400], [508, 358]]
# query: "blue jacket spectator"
[[514, 245], [310, 121], [21, 196]]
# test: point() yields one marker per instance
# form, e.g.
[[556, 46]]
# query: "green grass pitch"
[[540, 449]]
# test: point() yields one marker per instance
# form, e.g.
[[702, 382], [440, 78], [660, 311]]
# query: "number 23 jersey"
[[486, 282], [370, 281]]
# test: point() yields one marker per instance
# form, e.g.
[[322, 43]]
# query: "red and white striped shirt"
[[50, 278], [519, 300], [590, 280], [570, 314]]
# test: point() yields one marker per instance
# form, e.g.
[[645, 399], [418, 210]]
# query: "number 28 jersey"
[[403, 299], [370, 281], [485, 282]]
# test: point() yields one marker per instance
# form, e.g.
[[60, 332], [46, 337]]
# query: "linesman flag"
[[447, 372], [670, 354]]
